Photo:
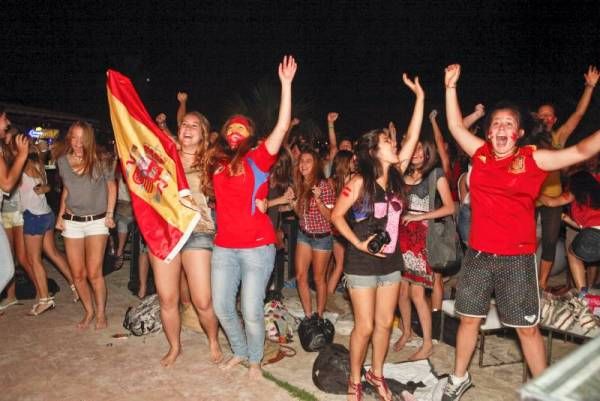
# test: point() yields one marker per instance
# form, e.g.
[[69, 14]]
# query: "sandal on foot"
[[379, 383], [357, 390], [43, 305], [118, 262], [75, 293]]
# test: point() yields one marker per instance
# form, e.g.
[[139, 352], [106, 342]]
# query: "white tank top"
[[31, 201]]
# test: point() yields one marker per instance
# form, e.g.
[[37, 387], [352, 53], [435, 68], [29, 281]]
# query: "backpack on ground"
[[331, 369], [315, 333], [144, 318]]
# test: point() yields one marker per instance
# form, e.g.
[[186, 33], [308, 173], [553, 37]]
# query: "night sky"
[[351, 54]]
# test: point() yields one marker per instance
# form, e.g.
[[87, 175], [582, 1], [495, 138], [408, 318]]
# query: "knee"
[[363, 329], [384, 323], [79, 275], [528, 332], [168, 302], [203, 305], [301, 276], [472, 322], [319, 277], [252, 314]]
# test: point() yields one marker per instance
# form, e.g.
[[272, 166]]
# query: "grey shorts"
[[512, 278], [371, 281], [199, 241]]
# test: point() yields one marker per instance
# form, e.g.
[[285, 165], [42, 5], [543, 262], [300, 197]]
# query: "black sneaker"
[[453, 392]]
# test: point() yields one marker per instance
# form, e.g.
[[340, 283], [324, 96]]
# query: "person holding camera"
[[418, 275], [373, 197]]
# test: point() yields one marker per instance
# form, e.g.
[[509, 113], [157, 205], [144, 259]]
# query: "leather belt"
[[315, 235], [68, 216]]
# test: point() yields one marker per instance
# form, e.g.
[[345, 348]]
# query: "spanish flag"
[[160, 195]]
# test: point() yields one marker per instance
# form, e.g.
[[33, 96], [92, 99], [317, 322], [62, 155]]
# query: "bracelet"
[[109, 214], [330, 126]]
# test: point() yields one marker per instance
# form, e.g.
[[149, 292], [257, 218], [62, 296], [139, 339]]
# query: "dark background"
[[351, 54]]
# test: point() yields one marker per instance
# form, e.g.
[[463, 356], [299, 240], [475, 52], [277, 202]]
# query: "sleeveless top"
[[386, 216], [206, 223]]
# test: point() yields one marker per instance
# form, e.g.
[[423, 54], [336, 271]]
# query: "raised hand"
[[451, 75], [182, 97], [316, 191], [22, 144], [295, 121], [592, 75], [480, 109], [161, 119], [414, 86], [287, 69], [433, 114], [332, 117]]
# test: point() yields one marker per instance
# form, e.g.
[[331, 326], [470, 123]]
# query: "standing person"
[[550, 215], [505, 182], [38, 230], [313, 204], [9, 176], [374, 197], [196, 253], [244, 252], [85, 214], [418, 274]]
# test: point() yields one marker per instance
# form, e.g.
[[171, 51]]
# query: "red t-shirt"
[[503, 194], [240, 224]]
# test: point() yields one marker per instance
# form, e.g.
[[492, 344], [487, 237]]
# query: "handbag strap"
[[432, 182]]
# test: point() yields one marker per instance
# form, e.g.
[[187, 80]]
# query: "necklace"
[[187, 153]]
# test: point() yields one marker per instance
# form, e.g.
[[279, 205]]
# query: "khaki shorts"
[[12, 219]]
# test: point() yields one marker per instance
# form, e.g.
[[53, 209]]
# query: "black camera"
[[381, 239]]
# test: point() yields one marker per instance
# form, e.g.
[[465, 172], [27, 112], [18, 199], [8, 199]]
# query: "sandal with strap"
[[380, 384], [357, 389], [75, 293], [43, 305]]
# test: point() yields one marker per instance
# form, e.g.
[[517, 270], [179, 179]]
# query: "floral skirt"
[[413, 244]]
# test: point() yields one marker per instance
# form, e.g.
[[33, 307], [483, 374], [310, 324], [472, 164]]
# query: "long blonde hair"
[[201, 159], [90, 154]]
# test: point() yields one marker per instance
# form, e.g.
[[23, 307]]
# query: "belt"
[[68, 216], [315, 235]]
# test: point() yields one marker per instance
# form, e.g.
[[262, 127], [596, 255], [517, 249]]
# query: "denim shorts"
[[199, 241], [123, 223], [37, 224], [317, 244], [371, 281]]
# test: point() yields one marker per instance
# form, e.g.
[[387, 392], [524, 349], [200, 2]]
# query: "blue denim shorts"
[[199, 241], [317, 244], [371, 281], [37, 224]]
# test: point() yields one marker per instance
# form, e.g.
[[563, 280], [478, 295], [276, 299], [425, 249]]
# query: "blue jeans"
[[7, 268], [252, 268]]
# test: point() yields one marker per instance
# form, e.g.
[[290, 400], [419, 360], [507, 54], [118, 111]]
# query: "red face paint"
[[346, 191], [514, 136]]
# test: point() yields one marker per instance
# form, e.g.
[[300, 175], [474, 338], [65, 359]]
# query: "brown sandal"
[[380, 384], [357, 389]]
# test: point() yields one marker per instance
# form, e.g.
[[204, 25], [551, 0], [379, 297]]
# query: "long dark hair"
[[585, 189], [222, 153], [430, 159], [281, 172], [370, 169], [340, 169], [303, 186]]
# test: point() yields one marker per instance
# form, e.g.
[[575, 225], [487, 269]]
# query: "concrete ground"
[[47, 358]]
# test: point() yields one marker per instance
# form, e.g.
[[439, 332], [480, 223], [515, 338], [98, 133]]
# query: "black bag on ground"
[[331, 369], [315, 333], [24, 288], [144, 318]]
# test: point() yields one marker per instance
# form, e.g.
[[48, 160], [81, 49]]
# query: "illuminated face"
[[77, 141], [345, 145], [4, 124], [386, 152], [547, 114], [504, 132], [418, 157], [235, 134], [190, 131], [306, 164]]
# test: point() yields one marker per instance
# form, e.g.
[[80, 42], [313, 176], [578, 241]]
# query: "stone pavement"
[[47, 358]]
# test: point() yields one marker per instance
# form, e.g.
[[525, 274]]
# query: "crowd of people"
[[361, 212]]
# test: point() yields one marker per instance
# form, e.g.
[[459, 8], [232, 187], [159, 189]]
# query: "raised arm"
[[10, 176], [440, 144], [182, 98], [414, 127], [472, 118], [565, 130], [467, 141], [550, 160], [333, 149], [287, 70]]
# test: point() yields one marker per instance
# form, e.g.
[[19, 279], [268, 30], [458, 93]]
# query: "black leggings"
[[551, 221]]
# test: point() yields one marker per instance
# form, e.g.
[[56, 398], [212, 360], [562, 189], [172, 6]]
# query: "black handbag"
[[315, 333], [444, 250]]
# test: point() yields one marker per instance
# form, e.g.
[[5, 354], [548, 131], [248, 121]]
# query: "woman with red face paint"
[[244, 252], [505, 182]]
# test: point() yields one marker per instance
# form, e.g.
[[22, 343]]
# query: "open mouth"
[[501, 140]]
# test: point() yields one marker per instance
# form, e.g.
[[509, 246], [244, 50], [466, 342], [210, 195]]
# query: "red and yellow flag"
[[160, 195]]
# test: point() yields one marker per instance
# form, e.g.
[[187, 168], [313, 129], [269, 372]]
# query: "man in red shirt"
[[505, 182]]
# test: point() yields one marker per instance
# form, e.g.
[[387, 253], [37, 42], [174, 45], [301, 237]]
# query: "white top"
[[35, 203]]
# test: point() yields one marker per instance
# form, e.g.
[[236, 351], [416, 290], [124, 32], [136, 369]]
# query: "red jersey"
[[503, 194], [584, 215], [240, 224]]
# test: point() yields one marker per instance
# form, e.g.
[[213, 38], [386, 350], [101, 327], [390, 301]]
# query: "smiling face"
[[504, 132], [386, 152], [345, 144], [547, 114], [418, 157], [77, 141], [191, 131], [236, 133], [306, 164]]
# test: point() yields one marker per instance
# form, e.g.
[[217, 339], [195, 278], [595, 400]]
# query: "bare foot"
[[398, 345], [85, 322], [234, 361], [216, 355], [101, 323], [422, 353], [141, 293], [169, 359], [255, 372]]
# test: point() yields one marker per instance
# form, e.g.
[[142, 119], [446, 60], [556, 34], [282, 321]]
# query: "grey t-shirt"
[[88, 194]]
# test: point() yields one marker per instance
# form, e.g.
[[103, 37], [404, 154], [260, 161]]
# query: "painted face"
[[190, 131], [547, 114], [504, 132], [345, 145], [235, 134], [385, 150], [77, 140], [4, 124], [306, 164], [418, 157]]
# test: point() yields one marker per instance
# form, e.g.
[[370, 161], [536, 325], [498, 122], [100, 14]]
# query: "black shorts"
[[512, 278]]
